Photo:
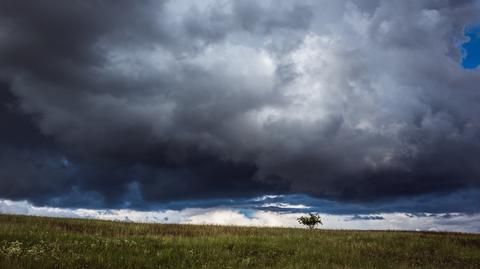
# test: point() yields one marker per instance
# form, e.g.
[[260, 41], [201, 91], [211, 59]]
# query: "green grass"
[[36, 242]]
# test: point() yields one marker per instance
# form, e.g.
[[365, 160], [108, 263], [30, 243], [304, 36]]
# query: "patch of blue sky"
[[471, 48], [249, 213]]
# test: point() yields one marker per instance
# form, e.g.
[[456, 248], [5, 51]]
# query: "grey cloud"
[[366, 217], [347, 100]]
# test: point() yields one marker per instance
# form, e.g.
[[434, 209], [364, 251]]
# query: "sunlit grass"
[[34, 242]]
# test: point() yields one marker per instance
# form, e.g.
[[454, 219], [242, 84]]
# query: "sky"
[[471, 49], [243, 112]]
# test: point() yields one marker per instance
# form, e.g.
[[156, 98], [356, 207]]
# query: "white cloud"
[[286, 205], [265, 197], [233, 216]]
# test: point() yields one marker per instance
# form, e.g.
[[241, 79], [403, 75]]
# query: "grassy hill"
[[35, 242]]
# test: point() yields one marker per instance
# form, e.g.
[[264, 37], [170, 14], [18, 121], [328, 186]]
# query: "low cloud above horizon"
[[136, 104], [254, 213]]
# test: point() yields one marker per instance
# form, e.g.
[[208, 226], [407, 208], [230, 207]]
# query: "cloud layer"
[[120, 101], [454, 222]]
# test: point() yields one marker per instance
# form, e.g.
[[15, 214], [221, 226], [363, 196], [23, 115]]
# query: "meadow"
[[39, 242]]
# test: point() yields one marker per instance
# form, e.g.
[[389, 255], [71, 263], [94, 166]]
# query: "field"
[[35, 242]]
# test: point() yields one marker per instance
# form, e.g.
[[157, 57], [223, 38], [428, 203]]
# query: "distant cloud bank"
[[223, 215]]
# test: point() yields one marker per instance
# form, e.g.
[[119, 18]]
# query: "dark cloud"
[[119, 103]]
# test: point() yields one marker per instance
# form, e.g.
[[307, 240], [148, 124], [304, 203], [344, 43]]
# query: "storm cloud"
[[145, 101]]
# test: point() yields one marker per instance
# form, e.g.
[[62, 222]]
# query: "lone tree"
[[311, 221]]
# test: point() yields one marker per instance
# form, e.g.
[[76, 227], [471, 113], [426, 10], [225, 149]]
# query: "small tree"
[[311, 221]]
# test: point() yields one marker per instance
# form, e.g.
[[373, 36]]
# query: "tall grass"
[[37, 242]]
